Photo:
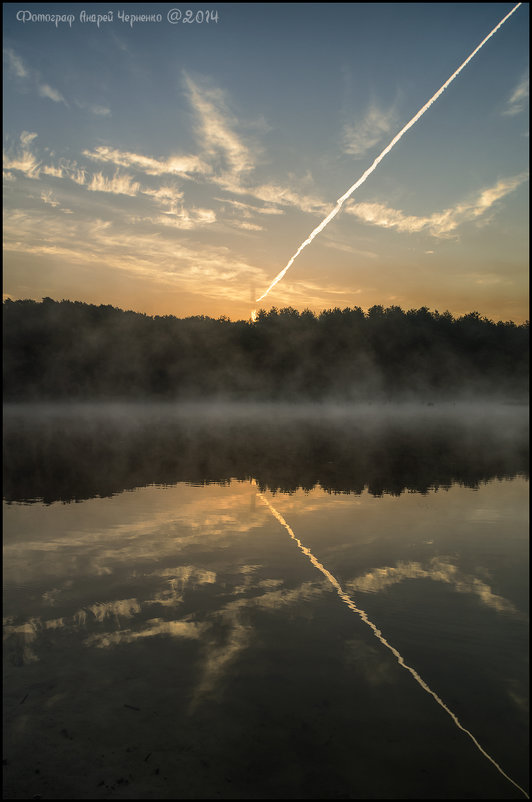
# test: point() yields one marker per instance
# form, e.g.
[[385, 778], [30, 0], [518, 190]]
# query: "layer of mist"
[[68, 452]]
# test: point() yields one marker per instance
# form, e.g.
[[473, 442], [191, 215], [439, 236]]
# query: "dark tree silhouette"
[[73, 350]]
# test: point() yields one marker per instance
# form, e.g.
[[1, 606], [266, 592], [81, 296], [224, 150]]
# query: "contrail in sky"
[[340, 202], [378, 634]]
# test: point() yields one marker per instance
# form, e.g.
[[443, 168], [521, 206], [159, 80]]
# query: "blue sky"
[[175, 168]]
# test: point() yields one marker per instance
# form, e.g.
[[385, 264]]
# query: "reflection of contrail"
[[340, 202], [378, 634]]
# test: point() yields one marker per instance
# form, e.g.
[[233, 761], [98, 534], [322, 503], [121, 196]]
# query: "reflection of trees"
[[71, 456], [74, 350]]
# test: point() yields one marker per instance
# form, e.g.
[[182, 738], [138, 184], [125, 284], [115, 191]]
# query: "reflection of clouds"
[[156, 626], [369, 661], [178, 578], [153, 525], [21, 639], [274, 599], [23, 636], [519, 696], [236, 630], [125, 608], [219, 656], [169, 597], [97, 613], [219, 649], [270, 583], [439, 569], [185, 574], [80, 618], [55, 623], [160, 537], [50, 596], [249, 581]]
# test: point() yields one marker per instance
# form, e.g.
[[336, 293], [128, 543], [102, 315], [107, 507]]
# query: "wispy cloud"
[[439, 224], [184, 218], [248, 209], [518, 100], [21, 158], [224, 160], [364, 134], [50, 169], [27, 137], [15, 64], [188, 166], [101, 111], [77, 175], [175, 213], [177, 165], [48, 197], [245, 226], [118, 184], [94, 108], [131, 245], [275, 194], [47, 91], [215, 127], [330, 242], [18, 68], [232, 160], [170, 198], [166, 196]]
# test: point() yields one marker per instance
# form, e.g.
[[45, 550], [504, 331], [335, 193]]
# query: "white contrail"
[[353, 607], [340, 202]]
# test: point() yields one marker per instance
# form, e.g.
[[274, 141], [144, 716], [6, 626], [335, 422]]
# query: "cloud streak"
[[15, 64], [53, 94], [360, 137], [439, 224], [215, 129], [185, 166], [518, 100]]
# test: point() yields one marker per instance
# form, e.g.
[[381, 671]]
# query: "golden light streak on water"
[[340, 202], [378, 634]]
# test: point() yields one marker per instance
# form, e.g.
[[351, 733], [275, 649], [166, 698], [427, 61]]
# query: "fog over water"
[[386, 448]]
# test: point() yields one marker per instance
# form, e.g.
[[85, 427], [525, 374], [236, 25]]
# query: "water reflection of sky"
[[210, 569], [150, 526]]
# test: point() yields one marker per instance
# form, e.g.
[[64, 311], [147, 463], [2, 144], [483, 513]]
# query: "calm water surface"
[[266, 604]]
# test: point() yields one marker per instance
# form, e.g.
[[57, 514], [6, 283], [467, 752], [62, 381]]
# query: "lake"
[[266, 602]]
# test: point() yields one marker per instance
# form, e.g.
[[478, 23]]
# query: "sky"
[[173, 165]]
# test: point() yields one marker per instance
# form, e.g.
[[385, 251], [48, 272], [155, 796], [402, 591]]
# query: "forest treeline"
[[73, 350]]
